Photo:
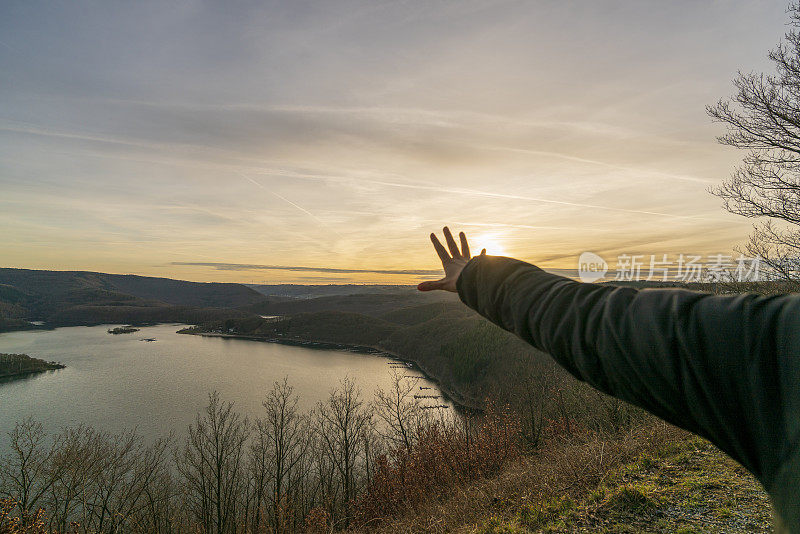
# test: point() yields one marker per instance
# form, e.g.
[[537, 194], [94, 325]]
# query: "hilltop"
[[70, 298], [328, 290], [60, 298]]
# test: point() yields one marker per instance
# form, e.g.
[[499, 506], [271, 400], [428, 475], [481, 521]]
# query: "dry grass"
[[655, 478], [444, 457]]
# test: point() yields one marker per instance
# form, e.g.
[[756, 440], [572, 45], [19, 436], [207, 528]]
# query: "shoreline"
[[460, 401], [22, 374]]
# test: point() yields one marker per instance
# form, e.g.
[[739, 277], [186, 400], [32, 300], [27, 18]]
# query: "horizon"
[[321, 144], [564, 272]]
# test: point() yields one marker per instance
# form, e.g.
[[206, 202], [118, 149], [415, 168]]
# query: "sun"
[[491, 242]]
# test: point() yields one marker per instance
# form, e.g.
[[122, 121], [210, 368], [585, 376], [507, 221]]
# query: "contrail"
[[301, 208], [460, 191], [475, 192], [524, 226], [616, 166], [15, 49]]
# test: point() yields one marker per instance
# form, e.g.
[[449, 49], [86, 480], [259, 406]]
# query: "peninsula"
[[18, 365]]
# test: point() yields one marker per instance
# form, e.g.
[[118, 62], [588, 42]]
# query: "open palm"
[[452, 262]]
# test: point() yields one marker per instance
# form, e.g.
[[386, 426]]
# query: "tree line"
[[347, 462], [22, 364]]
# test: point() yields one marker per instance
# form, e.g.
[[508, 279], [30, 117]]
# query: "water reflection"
[[118, 382]]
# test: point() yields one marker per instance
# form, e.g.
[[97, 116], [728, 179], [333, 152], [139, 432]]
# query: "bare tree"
[[26, 473], [342, 423], [157, 509], [76, 464], [211, 464], [400, 415], [764, 118], [278, 453], [127, 473], [532, 394], [86, 481], [260, 470]]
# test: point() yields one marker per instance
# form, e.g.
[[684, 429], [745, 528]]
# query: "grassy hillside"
[[596, 464], [653, 479]]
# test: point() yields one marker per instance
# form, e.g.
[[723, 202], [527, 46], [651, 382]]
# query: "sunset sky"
[[321, 142]]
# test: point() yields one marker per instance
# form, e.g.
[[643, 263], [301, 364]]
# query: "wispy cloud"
[[299, 268], [358, 133], [489, 194]]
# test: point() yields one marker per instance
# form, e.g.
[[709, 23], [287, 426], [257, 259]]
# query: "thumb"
[[483, 252], [430, 286]]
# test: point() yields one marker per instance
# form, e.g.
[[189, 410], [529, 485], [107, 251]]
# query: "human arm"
[[721, 366]]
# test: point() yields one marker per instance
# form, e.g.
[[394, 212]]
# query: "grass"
[[654, 479], [686, 486]]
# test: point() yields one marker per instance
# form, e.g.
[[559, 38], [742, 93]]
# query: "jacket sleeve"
[[724, 367]]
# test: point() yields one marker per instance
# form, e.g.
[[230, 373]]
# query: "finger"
[[451, 243], [440, 250], [483, 252], [430, 286], [464, 245]]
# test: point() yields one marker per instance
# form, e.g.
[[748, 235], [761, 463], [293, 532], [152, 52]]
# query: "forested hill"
[[300, 291], [66, 298], [470, 357], [81, 297], [166, 290], [373, 304]]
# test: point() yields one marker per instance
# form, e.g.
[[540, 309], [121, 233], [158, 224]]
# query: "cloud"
[[198, 131], [256, 267], [474, 192], [431, 137]]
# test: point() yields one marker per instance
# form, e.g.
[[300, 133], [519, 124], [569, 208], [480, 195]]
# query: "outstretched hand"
[[452, 262]]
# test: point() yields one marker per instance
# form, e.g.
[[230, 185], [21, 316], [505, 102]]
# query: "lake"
[[119, 382]]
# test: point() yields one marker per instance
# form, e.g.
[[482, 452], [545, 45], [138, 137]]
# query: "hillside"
[[329, 290], [595, 464], [162, 290], [589, 462], [70, 298], [325, 326], [654, 479], [450, 342], [61, 298], [373, 304]]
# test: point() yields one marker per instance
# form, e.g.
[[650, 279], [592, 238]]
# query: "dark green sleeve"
[[724, 367]]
